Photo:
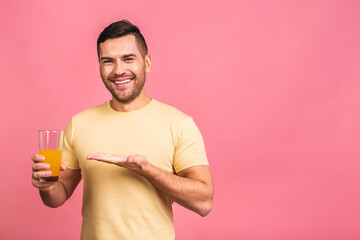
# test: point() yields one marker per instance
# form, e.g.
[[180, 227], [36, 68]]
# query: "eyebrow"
[[129, 55], [123, 56], [106, 58]]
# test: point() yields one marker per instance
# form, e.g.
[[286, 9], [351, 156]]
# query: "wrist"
[[146, 168]]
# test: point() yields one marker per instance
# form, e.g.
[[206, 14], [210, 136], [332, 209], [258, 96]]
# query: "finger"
[[130, 159], [136, 159], [43, 186], [41, 174], [46, 188], [63, 166], [38, 158], [92, 155], [107, 157], [101, 159], [40, 166]]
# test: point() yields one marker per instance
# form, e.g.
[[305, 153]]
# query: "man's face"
[[122, 68]]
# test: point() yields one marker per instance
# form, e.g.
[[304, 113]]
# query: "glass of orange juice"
[[50, 146]]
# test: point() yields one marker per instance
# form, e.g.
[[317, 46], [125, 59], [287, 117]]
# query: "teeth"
[[120, 82]]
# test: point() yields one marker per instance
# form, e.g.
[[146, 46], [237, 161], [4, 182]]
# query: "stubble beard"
[[138, 87]]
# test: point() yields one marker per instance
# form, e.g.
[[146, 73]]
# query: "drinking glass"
[[50, 146]]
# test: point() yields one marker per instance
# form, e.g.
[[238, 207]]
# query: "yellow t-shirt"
[[119, 203]]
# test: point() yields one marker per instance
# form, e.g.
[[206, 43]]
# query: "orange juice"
[[52, 157]]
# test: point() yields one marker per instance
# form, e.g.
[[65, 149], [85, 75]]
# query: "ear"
[[147, 63], [100, 69]]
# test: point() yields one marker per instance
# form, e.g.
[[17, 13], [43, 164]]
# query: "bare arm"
[[192, 188], [54, 194]]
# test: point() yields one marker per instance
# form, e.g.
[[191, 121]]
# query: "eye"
[[107, 61], [128, 59]]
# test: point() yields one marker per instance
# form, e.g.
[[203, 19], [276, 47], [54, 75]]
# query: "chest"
[[152, 139]]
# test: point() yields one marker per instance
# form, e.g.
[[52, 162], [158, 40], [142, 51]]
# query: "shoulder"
[[170, 112], [90, 113]]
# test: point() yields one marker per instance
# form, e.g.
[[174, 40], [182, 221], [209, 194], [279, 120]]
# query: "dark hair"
[[121, 29]]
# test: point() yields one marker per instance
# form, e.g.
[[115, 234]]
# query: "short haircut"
[[121, 29]]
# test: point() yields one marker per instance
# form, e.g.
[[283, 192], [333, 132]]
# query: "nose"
[[119, 68]]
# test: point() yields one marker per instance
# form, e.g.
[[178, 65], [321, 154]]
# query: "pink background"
[[273, 86]]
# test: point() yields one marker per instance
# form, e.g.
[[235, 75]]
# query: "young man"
[[136, 155]]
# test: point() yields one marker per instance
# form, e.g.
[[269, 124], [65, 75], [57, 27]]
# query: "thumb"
[[136, 159], [130, 159], [63, 165]]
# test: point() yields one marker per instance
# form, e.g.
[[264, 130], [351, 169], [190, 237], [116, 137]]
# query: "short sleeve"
[[68, 154], [190, 148]]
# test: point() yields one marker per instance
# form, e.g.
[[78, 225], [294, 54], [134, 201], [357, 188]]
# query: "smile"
[[121, 82]]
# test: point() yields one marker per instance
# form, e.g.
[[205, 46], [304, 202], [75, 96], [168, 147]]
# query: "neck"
[[139, 102]]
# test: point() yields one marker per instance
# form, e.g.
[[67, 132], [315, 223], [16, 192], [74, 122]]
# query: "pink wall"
[[273, 85]]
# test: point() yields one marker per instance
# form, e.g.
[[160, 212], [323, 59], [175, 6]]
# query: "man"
[[136, 155]]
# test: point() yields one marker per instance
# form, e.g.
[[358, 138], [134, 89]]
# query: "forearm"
[[55, 197], [191, 187], [195, 195]]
